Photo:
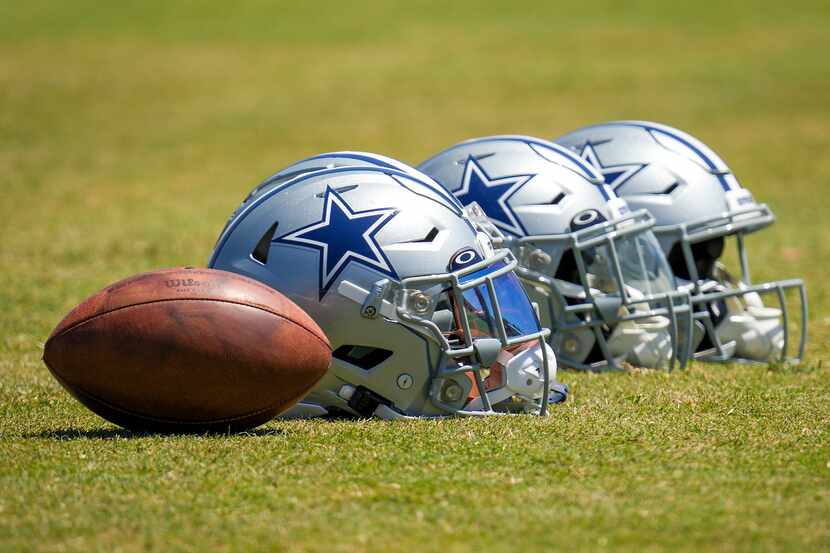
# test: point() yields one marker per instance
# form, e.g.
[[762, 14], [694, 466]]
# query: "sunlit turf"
[[129, 132], [714, 458]]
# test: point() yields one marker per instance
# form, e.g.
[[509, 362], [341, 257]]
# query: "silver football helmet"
[[426, 318], [698, 203], [601, 280]]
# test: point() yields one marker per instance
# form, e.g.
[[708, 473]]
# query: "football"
[[187, 350]]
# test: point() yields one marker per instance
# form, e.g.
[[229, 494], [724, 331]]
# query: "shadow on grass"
[[114, 433], [69, 434]]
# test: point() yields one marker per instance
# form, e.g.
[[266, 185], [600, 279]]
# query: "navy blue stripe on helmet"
[[360, 157], [454, 206], [564, 152], [375, 160], [706, 159]]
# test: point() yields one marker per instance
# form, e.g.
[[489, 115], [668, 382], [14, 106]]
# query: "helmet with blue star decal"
[[698, 203], [426, 318], [602, 283]]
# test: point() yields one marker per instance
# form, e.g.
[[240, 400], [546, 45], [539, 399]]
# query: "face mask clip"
[[372, 304]]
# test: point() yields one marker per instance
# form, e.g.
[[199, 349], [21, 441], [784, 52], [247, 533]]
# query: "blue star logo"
[[615, 175], [492, 194], [344, 236]]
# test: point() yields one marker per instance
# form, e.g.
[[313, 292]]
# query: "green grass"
[[128, 133]]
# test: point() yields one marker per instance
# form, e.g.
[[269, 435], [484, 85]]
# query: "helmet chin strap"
[[756, 329], [748, 330], [642, 342], [522, 376], [641, 346]]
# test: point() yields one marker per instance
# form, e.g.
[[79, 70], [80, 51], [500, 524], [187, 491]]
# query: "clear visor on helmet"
[[517, 313], [643, 266]]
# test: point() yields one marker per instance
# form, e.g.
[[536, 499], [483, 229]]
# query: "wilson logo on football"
[[184, 282]]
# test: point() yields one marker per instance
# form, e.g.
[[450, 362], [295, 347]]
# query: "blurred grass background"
[[129, 132]]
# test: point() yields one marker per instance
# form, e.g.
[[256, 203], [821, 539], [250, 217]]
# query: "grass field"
[[128, 133]]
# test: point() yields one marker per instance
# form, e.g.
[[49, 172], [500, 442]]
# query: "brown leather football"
[[188, 350]]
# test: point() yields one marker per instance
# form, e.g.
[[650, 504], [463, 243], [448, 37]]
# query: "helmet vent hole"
[[430, 236], [280, 178], [559, 197], [260, 253], [340, 190], [478, 157], [567, 269], [671, 188], [365, 357]]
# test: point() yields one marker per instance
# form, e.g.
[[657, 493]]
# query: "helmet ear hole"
[[713, 247], [705, 254], [677, 262], [567, 269]]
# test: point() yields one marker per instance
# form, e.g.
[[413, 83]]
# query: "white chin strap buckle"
[[757, 333], [644, 342]]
